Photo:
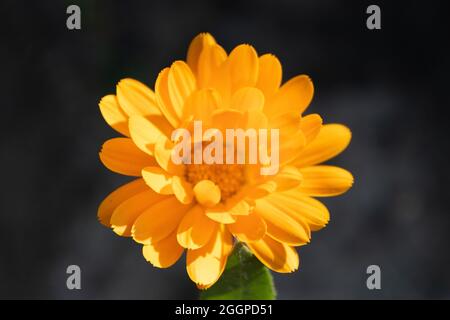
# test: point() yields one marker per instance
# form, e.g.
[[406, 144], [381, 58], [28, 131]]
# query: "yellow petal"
[[254, 119], [280, 225], [276, 256], [243, 67], [325, 181], [159, 221], [182, 190], [223, 119], [227, 239], [291, 148], [220, 214], [221, 81], [135, 98], [270, 74], [262, 189], [122, 156], [311, 125], [201, 104], [209, 66], [291, 137], [197, 46], [160, 122], [331, 140], [248, 228], [227, 248], [289, 177], [248, 98], [158, 179], [239, 205], [113, 114], [207, 193], [163, 154], [127, 212], [181, 84], [163, 98], [206, 264], [114, 199], [301, 207], [287, 123], [226, 213], [144, 134], [294, 95], [195, 229], [163, 253]]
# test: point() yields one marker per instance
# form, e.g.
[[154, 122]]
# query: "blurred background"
[[389, 86]]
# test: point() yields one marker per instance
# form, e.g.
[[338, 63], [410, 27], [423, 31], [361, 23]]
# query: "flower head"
[[203, 206]]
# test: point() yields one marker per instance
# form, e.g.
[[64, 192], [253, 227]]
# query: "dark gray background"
[[389, 86]]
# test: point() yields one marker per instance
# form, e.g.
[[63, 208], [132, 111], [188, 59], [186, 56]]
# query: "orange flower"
[[201, 208]]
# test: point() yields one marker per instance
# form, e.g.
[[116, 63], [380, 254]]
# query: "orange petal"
[[144, 134], [223, 119], [254, 119], [201, 104], [301, 208], [291, 148], [181, 84], [114, 115], [276, 256], [159, 221], [243, 67], [163, 98], [158, 179], [195, 229], [270, 74], [287, 123], [331, 140], [207, 193], [248, 98], [135, 98], [325, 181], [220, 214], [163, 155], [197, 46], [294, 95], [163, 253], [114, 199], [128, 211], [228, 243], [209, 66], [281, 226], [221, 81], [182, 190], [248, 228], [289, 177], [122, 156], [261, 190], [311, 125], [206, 264]]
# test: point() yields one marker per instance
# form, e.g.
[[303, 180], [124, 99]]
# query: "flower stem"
[[244, 278]]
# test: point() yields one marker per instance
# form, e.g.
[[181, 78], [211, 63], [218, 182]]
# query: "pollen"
[[228, 177]]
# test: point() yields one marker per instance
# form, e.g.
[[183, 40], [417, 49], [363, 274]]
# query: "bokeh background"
[[389, 86]]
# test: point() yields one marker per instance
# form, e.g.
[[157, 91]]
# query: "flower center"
[[228, 177]]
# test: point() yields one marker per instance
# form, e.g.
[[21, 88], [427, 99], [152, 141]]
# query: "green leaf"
[[244, 278]]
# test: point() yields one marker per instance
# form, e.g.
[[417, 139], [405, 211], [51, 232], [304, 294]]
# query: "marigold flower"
[[203, 208]]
